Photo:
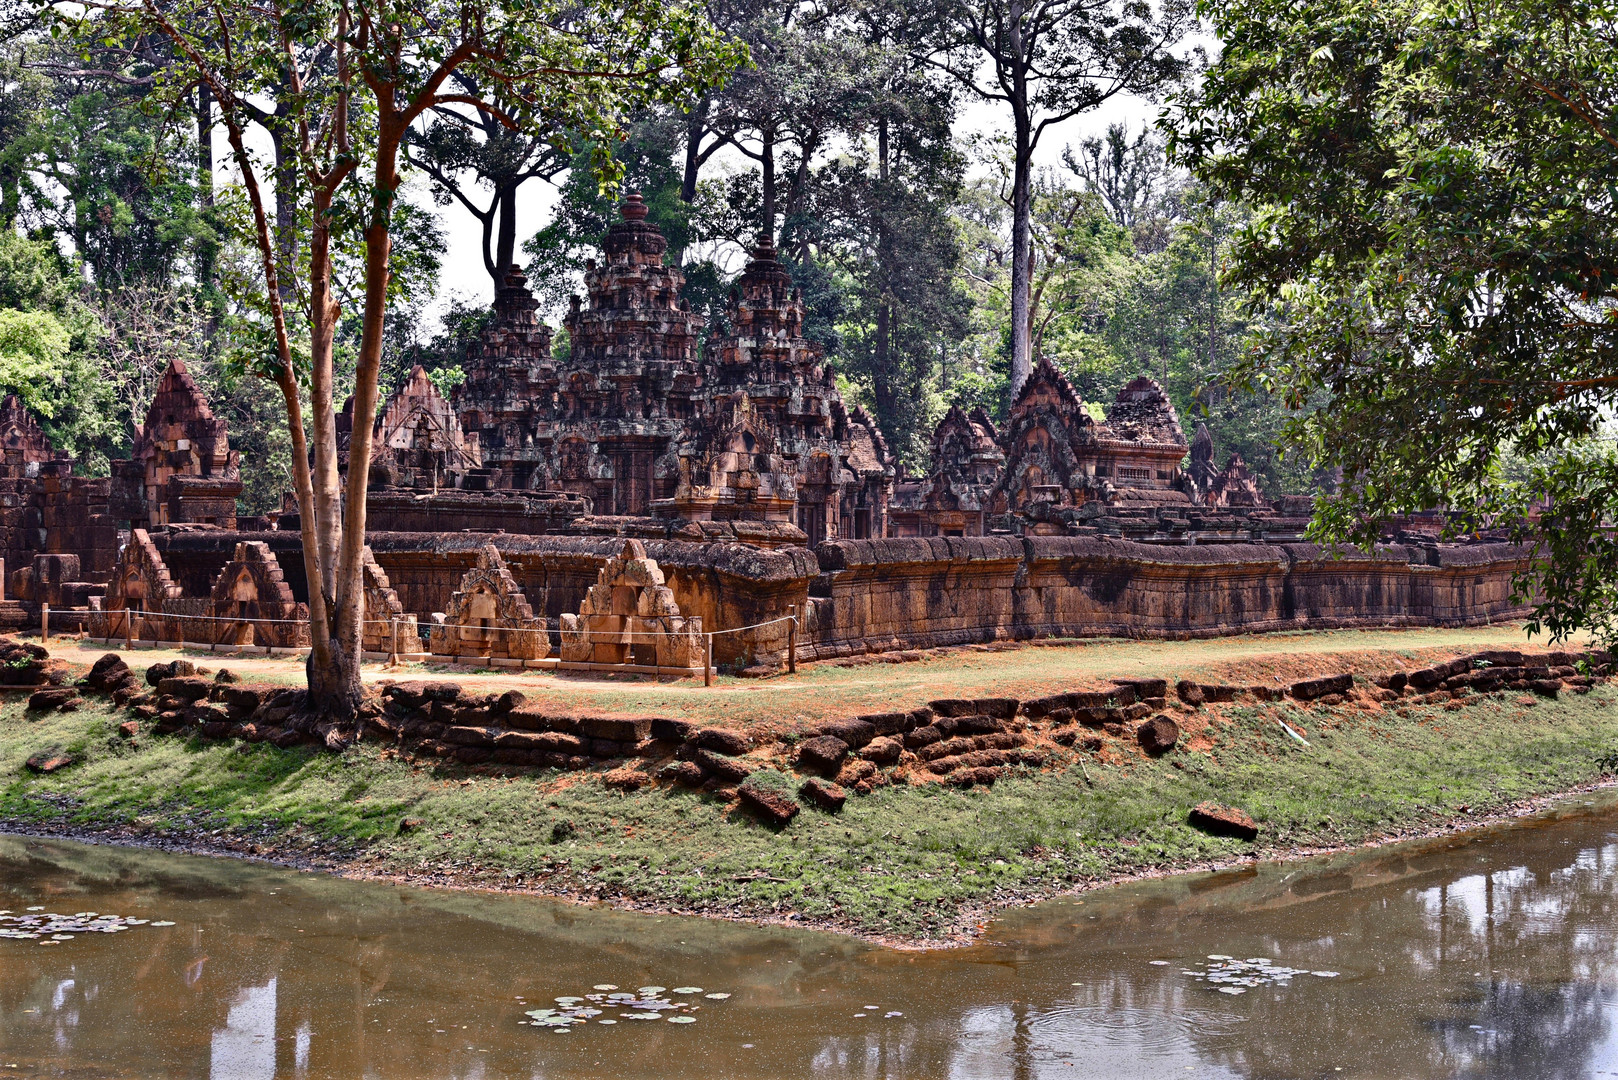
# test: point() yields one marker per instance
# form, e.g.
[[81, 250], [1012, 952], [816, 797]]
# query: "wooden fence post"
[[707, 663]]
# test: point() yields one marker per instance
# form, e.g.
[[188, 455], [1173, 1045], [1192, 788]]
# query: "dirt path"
[[1022, 670]]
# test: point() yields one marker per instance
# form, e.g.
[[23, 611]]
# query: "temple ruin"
[[620, 493]]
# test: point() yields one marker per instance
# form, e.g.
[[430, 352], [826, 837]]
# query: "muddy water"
[[1490, 956]]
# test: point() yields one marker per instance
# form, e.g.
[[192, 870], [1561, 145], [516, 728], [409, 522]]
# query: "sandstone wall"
[[727, 585], [916, 593], [861, 596]]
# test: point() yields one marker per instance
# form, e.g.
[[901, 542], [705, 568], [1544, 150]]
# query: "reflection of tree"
[[1547, 1033]]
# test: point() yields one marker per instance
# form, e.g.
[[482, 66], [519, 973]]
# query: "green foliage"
[[33, 351], [1433, 254]]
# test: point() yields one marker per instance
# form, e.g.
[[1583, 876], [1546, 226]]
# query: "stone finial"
[[634, 207]]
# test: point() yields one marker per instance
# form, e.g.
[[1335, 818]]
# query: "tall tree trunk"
[[882, 381], [1022, 246], [767, 163], [207, 250], [696, 125], [337, 689], [505, 244], [1022, 257]]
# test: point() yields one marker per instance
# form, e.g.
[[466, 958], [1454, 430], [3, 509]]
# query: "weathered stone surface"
[[128, 729], [724, 741], [856, 733], [185, 687], [1223, 821], [49, 761], [509, 702], [770, 801], [489, 617], [823, 794], [1310, 689], [688, 773], [1190, 692], [108, 673], [977, 776], [882, 750], [627, 730], [726, 768], [894, 723], [1158, 735], [823, 753], [672, 730], [58, 698], [625, 779]]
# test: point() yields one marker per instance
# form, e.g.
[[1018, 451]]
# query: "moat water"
[[1489, 955]]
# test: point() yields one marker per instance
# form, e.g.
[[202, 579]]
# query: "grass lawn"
[[914, 861]]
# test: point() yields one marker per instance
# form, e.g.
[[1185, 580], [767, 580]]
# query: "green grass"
[[911, 861]]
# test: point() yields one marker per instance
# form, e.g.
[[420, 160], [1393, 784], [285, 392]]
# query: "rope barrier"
[[394, 625]]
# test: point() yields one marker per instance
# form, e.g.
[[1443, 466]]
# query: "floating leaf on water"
[[606, 1021], [1325, 974], [1258, 959], [1231, 990], [687, 990], [567, 1000], [716, 997], [859, 1016], [61, 937], [1219, 956], [136, 922], [538, 1013], [620, 997], [682, 1019], [162, 922], [605, 986], [1158, 963], [49, 941], [640, 1016], [37, 907], [647, 991]]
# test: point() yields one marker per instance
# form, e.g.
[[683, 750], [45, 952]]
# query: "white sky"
[[463, 274]]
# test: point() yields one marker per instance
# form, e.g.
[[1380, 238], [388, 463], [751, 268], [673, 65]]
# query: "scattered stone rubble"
[[960, 742]]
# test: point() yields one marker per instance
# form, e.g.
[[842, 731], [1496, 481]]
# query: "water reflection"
[[1494, 957]]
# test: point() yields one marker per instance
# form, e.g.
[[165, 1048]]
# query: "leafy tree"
[[1047, 61], [91, 169], [1434, 251], [360, 74], [882, 214], [463, 148]]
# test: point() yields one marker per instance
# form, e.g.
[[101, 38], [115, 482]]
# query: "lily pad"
[[1158, 963], [162, 922], [682, 1019], [567, 1000], [605, 986], [1231, 990], [640, 1016], [1325, 974], [606, 1021], [716, 997], [687, 990], [620, 997], [646, 991]]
